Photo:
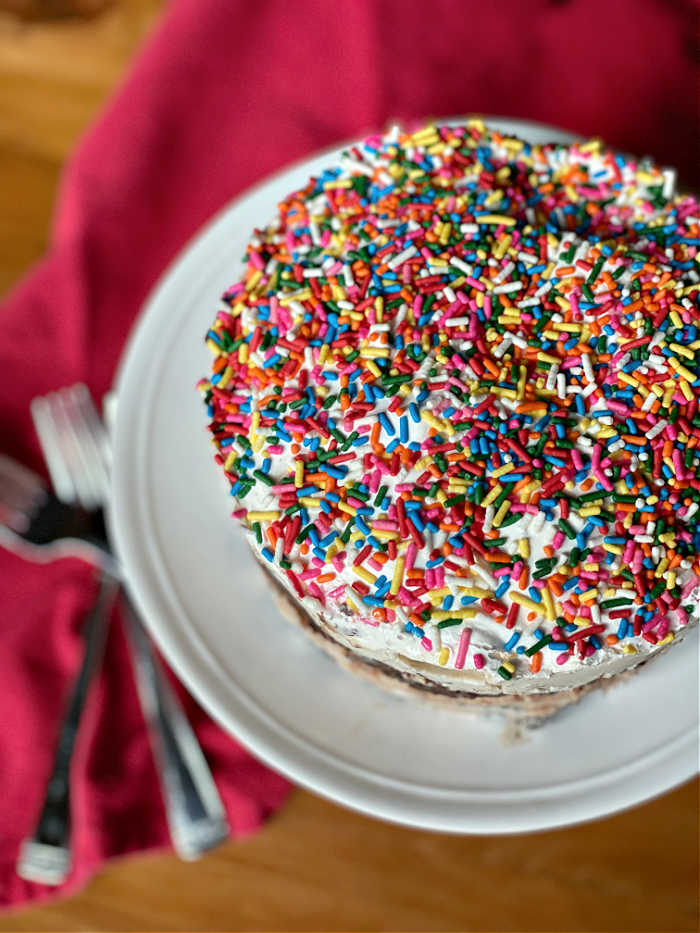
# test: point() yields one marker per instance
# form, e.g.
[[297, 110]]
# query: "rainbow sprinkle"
[[459, 381]]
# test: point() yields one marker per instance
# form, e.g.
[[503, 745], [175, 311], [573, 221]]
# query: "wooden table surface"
[[314, 866]]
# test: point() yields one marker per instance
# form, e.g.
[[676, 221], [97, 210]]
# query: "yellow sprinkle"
[[570, 328], [589, 595], [666, 639], [625, 377], [496, 219], [303, 294], [548, 604], [478, 591], [506, 468], [526, 602], [684, 351], [337, 183], [365, 575], [348, 509], [524, 548], [397, 578], [384, 534], [225, 376], [437, 423], [437, 596], [263, 516], [547, 357], [243, 353], [680, 369], [509, 666], [612, 548], [491, 495], [229, 460], [662, 567], [629, 649], [501, 513], [589, 510], [443, 656], [686, 390], [253, 280], [455, 614], [527, 491], [299, 474], [379, 308], [374, 369], [215, 348], [310, 503]]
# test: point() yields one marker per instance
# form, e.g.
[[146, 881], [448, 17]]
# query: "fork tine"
[[48, 434], [95, 439], [88, 439], [71, 450]]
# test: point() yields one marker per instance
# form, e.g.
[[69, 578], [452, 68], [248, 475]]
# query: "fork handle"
[[194, 810], [47, 854]]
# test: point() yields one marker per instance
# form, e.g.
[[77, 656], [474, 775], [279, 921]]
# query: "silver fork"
[[77, 451]]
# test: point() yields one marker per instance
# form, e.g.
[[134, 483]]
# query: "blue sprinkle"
[[512, 641], [386, 423], [267, 554], [338, 472], [558, 646]]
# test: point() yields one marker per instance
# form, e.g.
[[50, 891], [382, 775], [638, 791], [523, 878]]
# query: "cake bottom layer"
[[526, 709]]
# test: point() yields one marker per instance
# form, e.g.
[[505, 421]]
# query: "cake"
[[454, 396]]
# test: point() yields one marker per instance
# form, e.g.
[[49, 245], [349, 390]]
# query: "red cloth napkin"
[[222, 95]]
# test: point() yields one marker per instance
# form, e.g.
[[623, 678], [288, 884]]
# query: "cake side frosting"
[[455, 397]]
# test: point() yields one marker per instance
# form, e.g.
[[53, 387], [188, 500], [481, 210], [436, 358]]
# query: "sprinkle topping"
[[456, 393]]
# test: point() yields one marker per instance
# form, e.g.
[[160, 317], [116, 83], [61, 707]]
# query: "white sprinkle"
[[669, 183], [402, 257], [658, 427], [561, 385], [508, 287], [488, 518], [458, 264], [527, 258], [456, 321]]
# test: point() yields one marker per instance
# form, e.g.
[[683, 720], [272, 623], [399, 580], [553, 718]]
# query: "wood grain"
[[314, 866]]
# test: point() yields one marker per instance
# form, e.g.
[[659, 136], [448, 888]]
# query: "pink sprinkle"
[[562, 657], [479, 661], [464, 640]]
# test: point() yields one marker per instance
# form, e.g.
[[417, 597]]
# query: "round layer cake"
[[455, 398]]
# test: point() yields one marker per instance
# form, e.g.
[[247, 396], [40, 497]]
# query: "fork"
[[78, 452]]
